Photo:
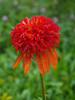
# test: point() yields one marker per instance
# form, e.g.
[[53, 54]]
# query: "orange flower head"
[[37, 35]]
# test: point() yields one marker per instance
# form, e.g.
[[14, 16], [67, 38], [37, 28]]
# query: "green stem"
[[43, 87], [42, 83]]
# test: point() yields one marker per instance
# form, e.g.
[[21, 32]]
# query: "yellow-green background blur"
[[60, 83]]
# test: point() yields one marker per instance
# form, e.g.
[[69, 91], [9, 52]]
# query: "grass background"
[[60, 83]]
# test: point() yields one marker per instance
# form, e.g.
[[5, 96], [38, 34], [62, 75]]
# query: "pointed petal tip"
[[49, 69], [54, 67], [25, 72], [42, 73], [13, 67], [60, 57]]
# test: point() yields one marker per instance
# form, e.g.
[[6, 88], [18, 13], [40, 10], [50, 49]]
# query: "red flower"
[[37, 35]]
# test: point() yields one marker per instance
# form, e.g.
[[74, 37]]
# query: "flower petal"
[[55, 54], [39, 63], [17, 60], [51, 58], [45, 61], [58, 55], [27, 64]]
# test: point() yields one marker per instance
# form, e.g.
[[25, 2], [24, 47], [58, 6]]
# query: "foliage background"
[[60, 83]]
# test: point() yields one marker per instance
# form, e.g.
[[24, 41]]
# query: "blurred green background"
[[60, 83]]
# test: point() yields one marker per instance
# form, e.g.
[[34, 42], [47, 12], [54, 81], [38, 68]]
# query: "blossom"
[[38, 35], [71, 16], [43, 9], [55, 19], [5, 18], [15, 3]]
